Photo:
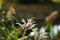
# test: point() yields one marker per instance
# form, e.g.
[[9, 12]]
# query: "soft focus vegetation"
[[15, 27]]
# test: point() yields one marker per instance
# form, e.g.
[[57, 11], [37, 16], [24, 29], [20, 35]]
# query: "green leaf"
[[13, 26]]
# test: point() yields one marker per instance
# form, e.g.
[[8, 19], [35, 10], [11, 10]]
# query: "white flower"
[[42, 30], [29, 23], [10, 12], [55, 29], [33, 25], [29, 20], [43, 33], [12, 9], [3, 12], [2, 38], [3, 28], [58, 27], [21, 25], [19, 39], [32, 33], [23, 21], [3, 20]]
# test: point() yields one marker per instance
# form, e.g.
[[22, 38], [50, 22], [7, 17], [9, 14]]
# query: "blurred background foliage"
[[49, 29], [31, 2]]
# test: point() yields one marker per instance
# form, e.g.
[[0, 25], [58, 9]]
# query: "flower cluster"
[[29, 24], [10, 12], [43, 34]]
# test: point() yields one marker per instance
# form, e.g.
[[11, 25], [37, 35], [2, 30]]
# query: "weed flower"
[[2, 38], [10, 12], [3, 20], [42, 33], [3, 12], [3, 28], [28, 24]]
